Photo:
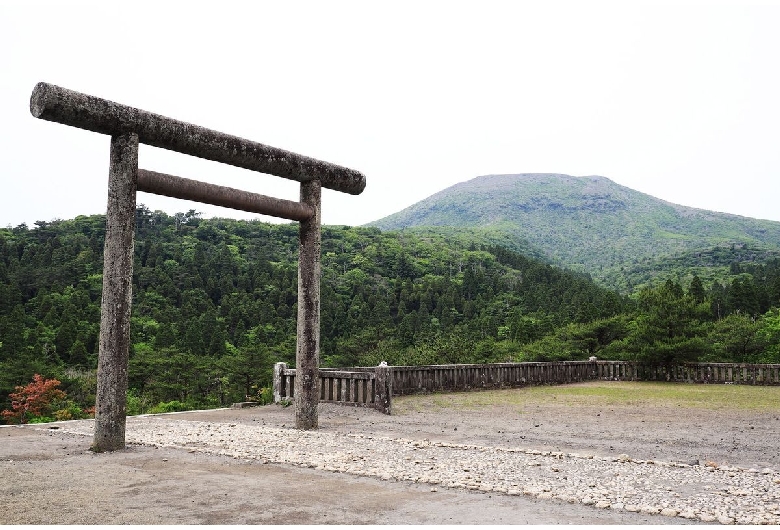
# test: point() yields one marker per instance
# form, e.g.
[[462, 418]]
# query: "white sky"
[[680, 100]]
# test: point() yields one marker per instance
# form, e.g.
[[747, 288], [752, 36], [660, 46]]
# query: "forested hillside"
[[214, 303], [622, 237], [215, 306]]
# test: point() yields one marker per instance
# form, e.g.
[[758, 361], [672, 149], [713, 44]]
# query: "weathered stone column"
[[383, 384], [307, 355], [279, 368], [114, 350]]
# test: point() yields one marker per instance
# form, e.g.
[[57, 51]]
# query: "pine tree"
[[696, 290]]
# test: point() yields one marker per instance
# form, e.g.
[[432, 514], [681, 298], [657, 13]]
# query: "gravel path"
[[706, 493]]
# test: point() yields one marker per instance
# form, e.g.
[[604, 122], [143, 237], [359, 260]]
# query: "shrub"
[[70, 411], [137, 403], [262, 395], [170, 406], [266, 395], [40, 419], [33, 400]]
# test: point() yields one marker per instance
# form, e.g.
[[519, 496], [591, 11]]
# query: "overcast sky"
[[680, 100]]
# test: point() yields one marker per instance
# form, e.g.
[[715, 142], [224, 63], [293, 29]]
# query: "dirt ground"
[[49, 477]]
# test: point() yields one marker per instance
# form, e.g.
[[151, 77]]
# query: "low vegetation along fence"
[[374, 387]]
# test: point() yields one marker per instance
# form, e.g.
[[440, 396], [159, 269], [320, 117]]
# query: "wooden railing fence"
[[728, 373], [460, 377], [360, 387], [375, 387]]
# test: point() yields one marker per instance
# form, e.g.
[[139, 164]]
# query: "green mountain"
[[590, 224]]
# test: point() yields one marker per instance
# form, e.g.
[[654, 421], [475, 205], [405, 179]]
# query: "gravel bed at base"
[[707, 493]]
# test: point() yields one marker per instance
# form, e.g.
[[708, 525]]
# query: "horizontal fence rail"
[[375, 386]]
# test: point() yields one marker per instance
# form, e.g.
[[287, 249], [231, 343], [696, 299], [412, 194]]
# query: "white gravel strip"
[[710, 494]]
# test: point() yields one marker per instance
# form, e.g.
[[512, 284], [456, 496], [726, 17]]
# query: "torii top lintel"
[[61, 105]]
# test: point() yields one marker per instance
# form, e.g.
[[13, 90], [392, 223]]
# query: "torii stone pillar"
[[307, 354], [114, 349]]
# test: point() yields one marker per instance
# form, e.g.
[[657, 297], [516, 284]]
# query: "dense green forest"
[[214, 306]]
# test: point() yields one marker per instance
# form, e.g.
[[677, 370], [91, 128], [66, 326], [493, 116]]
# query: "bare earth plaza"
[[588, 453]]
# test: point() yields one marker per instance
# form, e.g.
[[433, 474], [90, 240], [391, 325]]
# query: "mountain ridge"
[[589, 224]]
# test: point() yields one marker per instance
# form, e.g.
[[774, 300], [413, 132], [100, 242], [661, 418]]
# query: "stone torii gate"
[[128, 127]]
